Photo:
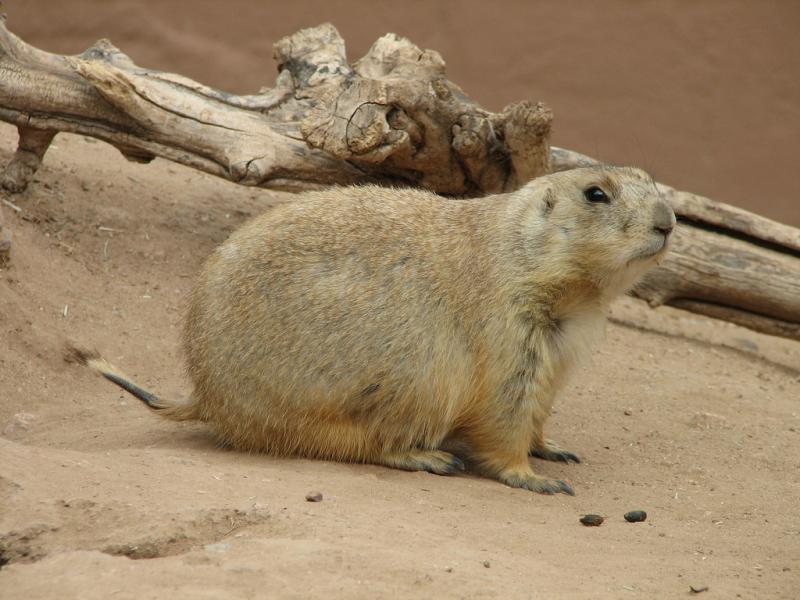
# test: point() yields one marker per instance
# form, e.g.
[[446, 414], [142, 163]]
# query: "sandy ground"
[[695, 421]]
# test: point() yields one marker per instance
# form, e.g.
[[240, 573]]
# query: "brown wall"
[[704, 94]]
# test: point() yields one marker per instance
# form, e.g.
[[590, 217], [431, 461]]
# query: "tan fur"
[[388, 326]]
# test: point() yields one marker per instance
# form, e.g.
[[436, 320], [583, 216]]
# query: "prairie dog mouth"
[[653, 249]]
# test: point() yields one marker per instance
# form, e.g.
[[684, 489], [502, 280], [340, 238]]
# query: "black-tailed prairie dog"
[[395, 327]]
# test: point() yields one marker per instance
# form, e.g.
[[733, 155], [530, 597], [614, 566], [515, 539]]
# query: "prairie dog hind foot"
[[432, 461], [549, 450]]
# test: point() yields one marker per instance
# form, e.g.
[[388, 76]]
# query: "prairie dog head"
[[603, 225]]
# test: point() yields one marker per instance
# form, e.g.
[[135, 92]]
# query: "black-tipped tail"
[[94, 361]]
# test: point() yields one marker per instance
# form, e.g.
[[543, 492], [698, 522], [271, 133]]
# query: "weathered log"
[[391, 118], [723, 277]]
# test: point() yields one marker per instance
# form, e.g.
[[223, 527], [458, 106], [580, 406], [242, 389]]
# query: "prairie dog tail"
[[177, 411]]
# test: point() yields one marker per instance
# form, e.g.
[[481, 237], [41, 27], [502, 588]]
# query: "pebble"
[[314, 496], [696, 589], [592, 520], [487, 564], [18, 425], [635, 516]]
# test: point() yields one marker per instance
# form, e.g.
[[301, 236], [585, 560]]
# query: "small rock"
[[746, 344], [696, 589], [635, 516], [627, 412], [448, 569], [18, 425], [707, 420], [314, 496], [218, 547], [487, 564], [592, 520]]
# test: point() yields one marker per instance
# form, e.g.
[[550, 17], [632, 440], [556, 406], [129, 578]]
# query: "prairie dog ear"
[[548, 201]]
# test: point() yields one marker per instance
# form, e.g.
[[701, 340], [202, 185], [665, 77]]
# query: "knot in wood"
[[368, 127]]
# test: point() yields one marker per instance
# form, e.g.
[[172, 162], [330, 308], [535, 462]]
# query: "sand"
[[695, 421]]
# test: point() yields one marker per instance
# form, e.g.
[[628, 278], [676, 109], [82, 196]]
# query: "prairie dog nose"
[[664, 218]]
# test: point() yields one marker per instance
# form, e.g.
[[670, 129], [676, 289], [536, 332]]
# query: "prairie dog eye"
[[595, 194]]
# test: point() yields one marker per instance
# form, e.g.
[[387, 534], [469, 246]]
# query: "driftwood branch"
[[391, 117], [714, 274]]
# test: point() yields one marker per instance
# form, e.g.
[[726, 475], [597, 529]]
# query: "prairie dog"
[[395, 327]]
